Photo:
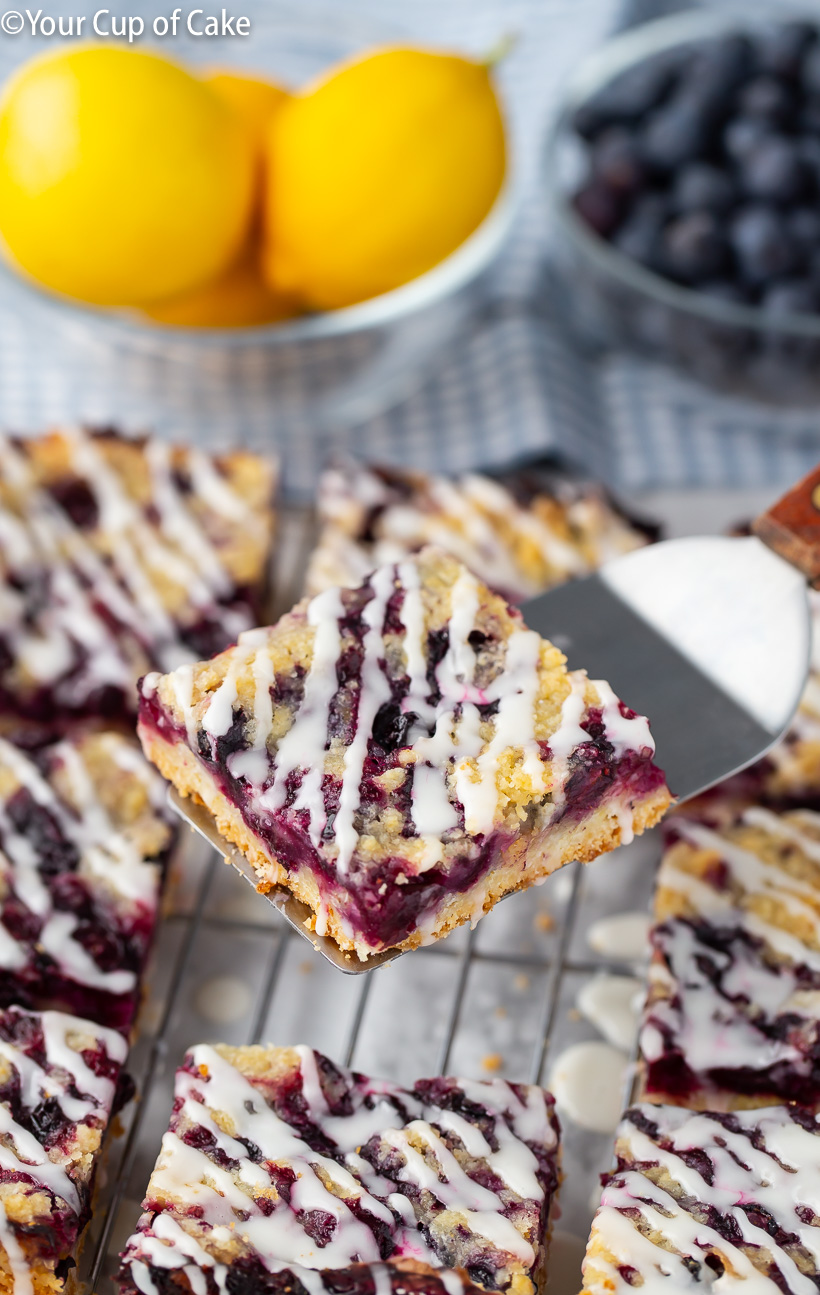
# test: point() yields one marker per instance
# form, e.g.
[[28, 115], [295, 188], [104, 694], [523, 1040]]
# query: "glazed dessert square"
[[120, 555], [84, 837], [733, 1010], [281, 1170], [59, 1079], [790, 772], [709, 1201], [404, 754], [520, 536]]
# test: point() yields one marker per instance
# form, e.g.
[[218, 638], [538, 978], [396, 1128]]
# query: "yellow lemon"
[[378, 172], [238, 298], [251, 98], [122, 177]]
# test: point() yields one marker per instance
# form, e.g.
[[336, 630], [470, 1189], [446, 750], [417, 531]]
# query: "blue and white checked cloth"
[[512, 387]]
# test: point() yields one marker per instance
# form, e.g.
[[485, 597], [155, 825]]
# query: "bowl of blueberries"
[[684, 173]]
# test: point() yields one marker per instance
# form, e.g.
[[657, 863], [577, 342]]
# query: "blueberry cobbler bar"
[[709, 1202], [403, 754], [58, 1086], [733, 1012], [118, 556], [520, 536], [283, 1172], [84, 836]]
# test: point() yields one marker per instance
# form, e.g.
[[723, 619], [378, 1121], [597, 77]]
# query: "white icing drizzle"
[[22, 1283], [785, 828], [703, 1020], [225, 1199], [516, 549], [20, 1152], [778, 1172], [81, 581], [753, 875], [456, 751], [374, 690], [719, 1006], [110, 862], [304, 745]]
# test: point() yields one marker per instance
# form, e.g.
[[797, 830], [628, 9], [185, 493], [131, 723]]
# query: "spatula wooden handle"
[[792, 527]]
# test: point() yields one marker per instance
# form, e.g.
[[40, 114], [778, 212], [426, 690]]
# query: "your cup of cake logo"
[[129, 27]]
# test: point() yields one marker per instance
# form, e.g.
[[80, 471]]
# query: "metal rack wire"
[[497, 1000]]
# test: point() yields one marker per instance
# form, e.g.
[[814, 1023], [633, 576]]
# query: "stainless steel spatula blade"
[[709, 637]]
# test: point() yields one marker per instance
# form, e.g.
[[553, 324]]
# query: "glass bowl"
[[319, 372], [610, 301]]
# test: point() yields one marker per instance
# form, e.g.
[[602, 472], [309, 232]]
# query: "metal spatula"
[[708, 637]]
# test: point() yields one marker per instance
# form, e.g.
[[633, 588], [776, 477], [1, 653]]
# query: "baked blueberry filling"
[[407, 1160], [707, 1194]]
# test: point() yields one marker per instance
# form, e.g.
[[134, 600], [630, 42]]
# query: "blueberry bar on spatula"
[[733, 1012], [284, 1172], [403, 754], [709, 1202], [58, 1088], [85, 835], [120, 555]]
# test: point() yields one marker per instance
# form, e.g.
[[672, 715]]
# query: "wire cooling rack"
[[500, 1000]]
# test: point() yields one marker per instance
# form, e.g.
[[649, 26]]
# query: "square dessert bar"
[[119, 556], [58, 1087], [709, 1202], [402, 755], [520, 536], [283, 1172], [84, 836], [790, 772], [733, 1011]]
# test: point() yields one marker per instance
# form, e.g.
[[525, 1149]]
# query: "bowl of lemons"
[[330, 220]]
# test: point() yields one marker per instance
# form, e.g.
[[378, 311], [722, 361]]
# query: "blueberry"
[[791, 297], [809, 149], [808, 119], [780, 48], [390, 726], [694, 248], [810, 77], [803, 226], [761, 244], [599, 207], [676, 133], [702, 186], [626, 98], [616, 160], [774, 171], [639, 237], [742, 135], [725, 290], [722, 63], [768, 98]]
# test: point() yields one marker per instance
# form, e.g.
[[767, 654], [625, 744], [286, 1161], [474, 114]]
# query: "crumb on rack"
[[500, 1011], [544, 921], [492, 1062], [522, 981]]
